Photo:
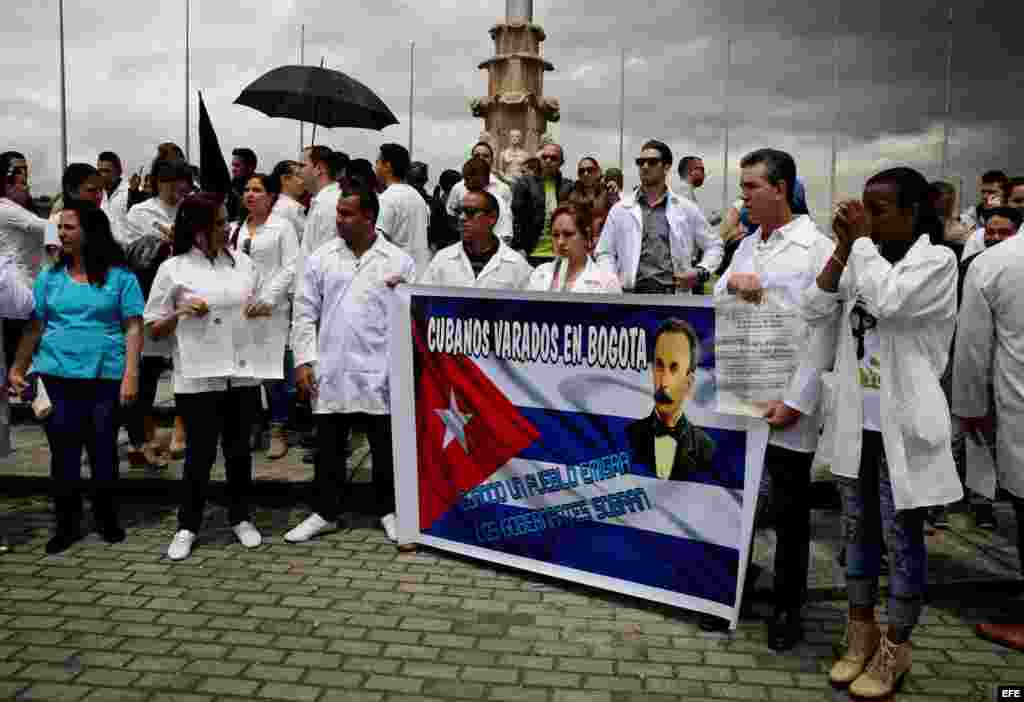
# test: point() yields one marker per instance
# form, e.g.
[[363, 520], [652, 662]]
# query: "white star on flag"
[[454, 424]]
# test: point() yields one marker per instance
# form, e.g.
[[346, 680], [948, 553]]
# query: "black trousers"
[[133, 419], [210, 418], [790, 511], [331, 474]]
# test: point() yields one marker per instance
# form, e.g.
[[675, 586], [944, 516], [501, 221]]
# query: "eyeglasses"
[[641, 162], [17, 170], [549, 157], [472, 212], [861, 322], [586, 170]]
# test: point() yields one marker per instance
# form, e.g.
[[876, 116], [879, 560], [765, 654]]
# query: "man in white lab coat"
[[404, 216], [320, 172], [481, 259], [115, 192], [776, 266], [340, 340], [989, 353], [652, 235]]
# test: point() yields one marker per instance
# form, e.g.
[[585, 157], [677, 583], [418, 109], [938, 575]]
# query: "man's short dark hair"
[[1010, 213], [993, 177], [110, 156], [74, 176], [684, 165], [398, 157], [679, 326], [418, 173], [323, 155], [779, 167], [247, 156], [490, 149], [662, 149], [369, 203], [476, 166]]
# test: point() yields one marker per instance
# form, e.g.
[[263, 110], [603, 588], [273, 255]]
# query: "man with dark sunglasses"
[[534, 199], [481, 259], [651, 235]]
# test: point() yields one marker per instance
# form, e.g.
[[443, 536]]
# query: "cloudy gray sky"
[[125, 64]]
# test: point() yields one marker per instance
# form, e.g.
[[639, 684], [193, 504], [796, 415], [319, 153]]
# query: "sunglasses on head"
[[641, 162]]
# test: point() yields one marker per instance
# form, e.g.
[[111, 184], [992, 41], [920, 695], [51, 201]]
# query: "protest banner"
[[526, 434]]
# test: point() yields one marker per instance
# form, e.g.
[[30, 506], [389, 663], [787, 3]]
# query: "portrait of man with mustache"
[[666, 441]]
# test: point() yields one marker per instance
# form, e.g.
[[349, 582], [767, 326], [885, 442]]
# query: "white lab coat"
[[990, 350], [592, 279], [504, 228], [788, 264], [404, 218], [115, 206], [321, 225], [273, 251], [619, 247], [507, 270], [293, 211], [915, 304], [219, 347], [16, 302], [341, 324], [21, 238]]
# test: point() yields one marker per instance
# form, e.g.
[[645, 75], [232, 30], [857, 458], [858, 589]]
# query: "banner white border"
[[402, 386]]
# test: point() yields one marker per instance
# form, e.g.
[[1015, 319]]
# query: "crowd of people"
[[279, 289]]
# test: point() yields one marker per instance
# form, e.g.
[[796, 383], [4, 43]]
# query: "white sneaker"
[[181, 545], [390, 526], [247, 534], [313, 525]]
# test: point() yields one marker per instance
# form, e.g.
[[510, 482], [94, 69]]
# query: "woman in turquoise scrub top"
[[84, 342]]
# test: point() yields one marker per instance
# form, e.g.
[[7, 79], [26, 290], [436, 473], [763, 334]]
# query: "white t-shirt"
[[144, 218], [869, 368], [404, 217]]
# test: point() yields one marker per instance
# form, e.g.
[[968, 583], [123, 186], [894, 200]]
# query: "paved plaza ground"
[[347, 617]]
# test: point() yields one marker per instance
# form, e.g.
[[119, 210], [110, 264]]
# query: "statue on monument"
[[510, 163]]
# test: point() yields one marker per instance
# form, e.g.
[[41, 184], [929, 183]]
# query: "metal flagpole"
[[835, 119], [302, 62], [622, 106], [63, 98], [412, 83], [725, 126], [949, 98], [188, 96]]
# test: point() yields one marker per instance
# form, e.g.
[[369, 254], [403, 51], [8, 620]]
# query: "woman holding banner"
[[573, 269], [887, 299]]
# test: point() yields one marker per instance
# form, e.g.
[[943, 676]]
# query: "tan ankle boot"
[[278, 443], [885, 673], [860, 643]]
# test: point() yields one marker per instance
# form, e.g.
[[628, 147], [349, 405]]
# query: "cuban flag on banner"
[[534, 460]]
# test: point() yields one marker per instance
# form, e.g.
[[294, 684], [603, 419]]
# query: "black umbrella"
[[317, 95]]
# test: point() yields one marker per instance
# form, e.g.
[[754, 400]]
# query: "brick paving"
[[349, 618]]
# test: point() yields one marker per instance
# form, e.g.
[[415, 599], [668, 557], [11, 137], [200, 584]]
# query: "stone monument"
[[515, 99], [510, 162]]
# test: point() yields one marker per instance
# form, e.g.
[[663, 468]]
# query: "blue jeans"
[[281, 393], [868, 509], [85, 415]]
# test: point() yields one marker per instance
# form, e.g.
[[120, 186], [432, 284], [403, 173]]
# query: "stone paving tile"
[[318, 623]]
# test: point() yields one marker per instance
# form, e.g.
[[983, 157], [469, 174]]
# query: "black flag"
[[214, 176]]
